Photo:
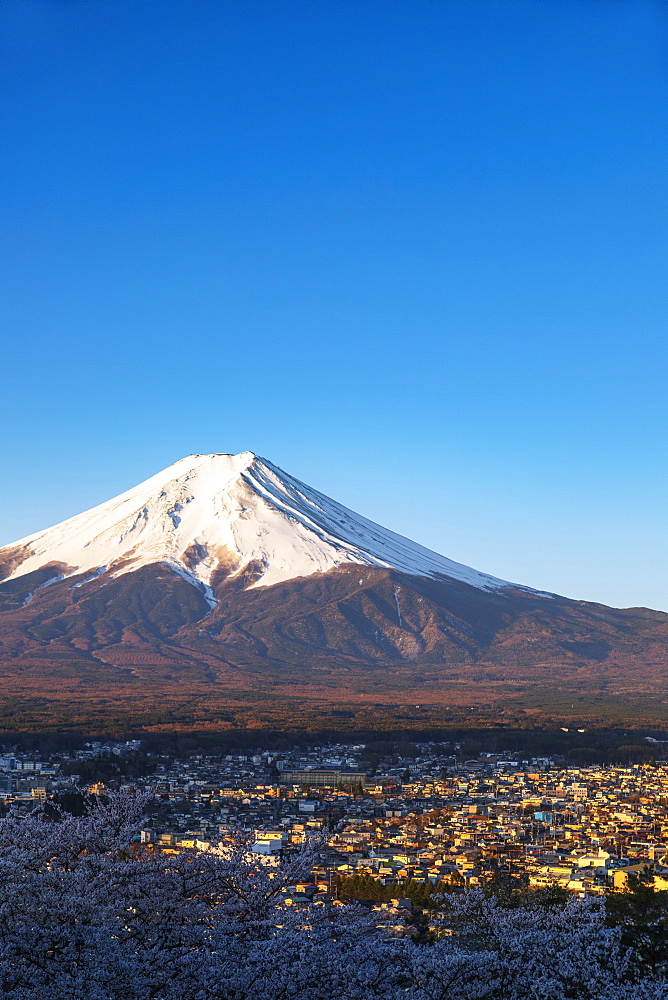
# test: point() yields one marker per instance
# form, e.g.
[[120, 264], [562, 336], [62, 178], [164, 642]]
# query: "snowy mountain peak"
[[208, 515]]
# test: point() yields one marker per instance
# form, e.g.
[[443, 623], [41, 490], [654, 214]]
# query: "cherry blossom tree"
[[86, 916]]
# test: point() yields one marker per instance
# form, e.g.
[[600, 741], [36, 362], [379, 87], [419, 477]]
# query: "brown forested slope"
[[351, 635]]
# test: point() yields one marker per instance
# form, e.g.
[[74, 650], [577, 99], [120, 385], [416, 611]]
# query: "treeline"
[[604, 745]]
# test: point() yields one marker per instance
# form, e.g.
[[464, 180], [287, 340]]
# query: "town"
[[392, 825]]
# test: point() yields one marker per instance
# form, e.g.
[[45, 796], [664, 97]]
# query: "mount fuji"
[[223, 578]]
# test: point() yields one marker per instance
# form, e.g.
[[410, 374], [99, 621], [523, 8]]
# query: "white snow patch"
[[93, 576], [190, 578], [47, 583], [396, 601]]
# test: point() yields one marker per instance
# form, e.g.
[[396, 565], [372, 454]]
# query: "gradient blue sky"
[[412, 252]]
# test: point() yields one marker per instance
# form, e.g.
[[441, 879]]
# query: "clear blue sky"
[[412, 252]]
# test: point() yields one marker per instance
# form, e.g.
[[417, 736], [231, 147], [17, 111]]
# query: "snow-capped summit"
[[212, 512]]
